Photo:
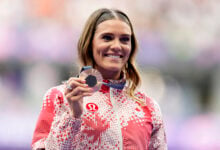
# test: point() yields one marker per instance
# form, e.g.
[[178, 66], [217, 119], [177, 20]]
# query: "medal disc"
[[93, 78]]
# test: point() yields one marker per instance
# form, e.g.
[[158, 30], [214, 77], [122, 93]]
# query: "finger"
[[79, 90], [73, 83], [87, 94], [80, 80], [75, 98], [79, 97]]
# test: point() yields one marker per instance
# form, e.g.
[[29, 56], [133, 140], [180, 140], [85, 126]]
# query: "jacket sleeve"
[[158, 135], [55, 128]]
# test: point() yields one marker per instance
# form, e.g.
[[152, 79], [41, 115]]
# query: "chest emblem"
[[92, 107]]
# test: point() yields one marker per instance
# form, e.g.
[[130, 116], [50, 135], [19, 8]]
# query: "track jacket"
[[111, 120]]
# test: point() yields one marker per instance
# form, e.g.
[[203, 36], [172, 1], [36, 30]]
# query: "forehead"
[[113, 26]]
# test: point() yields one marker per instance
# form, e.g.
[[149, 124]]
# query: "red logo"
[[92, 107]]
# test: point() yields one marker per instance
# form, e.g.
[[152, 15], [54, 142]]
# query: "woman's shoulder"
[[153, 106], [148, 101], [52, 97], [55, 91]]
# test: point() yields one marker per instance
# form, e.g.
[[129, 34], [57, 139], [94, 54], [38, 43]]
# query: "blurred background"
[[179, 59]]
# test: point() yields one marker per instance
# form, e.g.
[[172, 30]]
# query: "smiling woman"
[[74, 116], [111, 47]]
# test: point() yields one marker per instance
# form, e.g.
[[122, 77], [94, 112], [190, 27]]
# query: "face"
[[111, 47]]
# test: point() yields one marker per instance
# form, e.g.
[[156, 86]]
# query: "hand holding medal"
[[92, 77], [86, 84]]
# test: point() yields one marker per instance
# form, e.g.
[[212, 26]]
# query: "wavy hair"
[[85, 44]]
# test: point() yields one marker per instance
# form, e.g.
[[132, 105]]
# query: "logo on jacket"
[[92, 107]]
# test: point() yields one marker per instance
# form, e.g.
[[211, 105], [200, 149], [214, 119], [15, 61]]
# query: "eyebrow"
[[108, 33]]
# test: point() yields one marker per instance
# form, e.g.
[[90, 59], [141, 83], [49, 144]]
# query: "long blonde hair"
[[85, 44]]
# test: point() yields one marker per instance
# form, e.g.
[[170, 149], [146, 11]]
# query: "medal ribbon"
[[119, 86]]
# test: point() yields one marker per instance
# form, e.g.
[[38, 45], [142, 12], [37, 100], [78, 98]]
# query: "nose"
[[116, 45]]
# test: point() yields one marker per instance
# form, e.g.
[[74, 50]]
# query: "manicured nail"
[[85, 85]]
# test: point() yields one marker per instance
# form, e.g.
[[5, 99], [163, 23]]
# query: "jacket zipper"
[[115, 109]]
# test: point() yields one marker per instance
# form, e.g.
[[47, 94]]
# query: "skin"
[[111, 50], [112, 37]]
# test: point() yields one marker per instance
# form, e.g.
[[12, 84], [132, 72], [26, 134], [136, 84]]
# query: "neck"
[[113, 75]]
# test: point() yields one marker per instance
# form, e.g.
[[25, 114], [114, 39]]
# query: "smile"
[[113, 56]]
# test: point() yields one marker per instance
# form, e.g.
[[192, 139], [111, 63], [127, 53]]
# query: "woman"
[[74, 116]]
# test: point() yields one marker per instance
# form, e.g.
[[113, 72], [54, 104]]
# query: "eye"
[[125, 39], [107, 37]]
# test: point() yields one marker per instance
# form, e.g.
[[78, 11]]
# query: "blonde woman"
[[117, 116]]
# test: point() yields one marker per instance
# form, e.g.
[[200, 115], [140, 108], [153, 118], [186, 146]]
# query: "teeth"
[[113, 56]]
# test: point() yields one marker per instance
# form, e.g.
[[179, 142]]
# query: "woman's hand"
[[75, 90]]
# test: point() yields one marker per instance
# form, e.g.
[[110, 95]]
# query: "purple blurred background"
[[179, 59]]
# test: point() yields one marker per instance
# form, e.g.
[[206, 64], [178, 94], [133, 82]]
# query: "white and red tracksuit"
[[111, 120]]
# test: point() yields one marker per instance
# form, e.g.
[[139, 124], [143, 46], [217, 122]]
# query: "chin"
[[114, 67], [110, 67]]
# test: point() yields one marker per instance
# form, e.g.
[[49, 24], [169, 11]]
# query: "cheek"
[[97, 54], [127, 50], [95, 50], [98, 48]]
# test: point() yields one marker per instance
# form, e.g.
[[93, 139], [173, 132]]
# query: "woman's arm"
[[56, 127], [158, 136]]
